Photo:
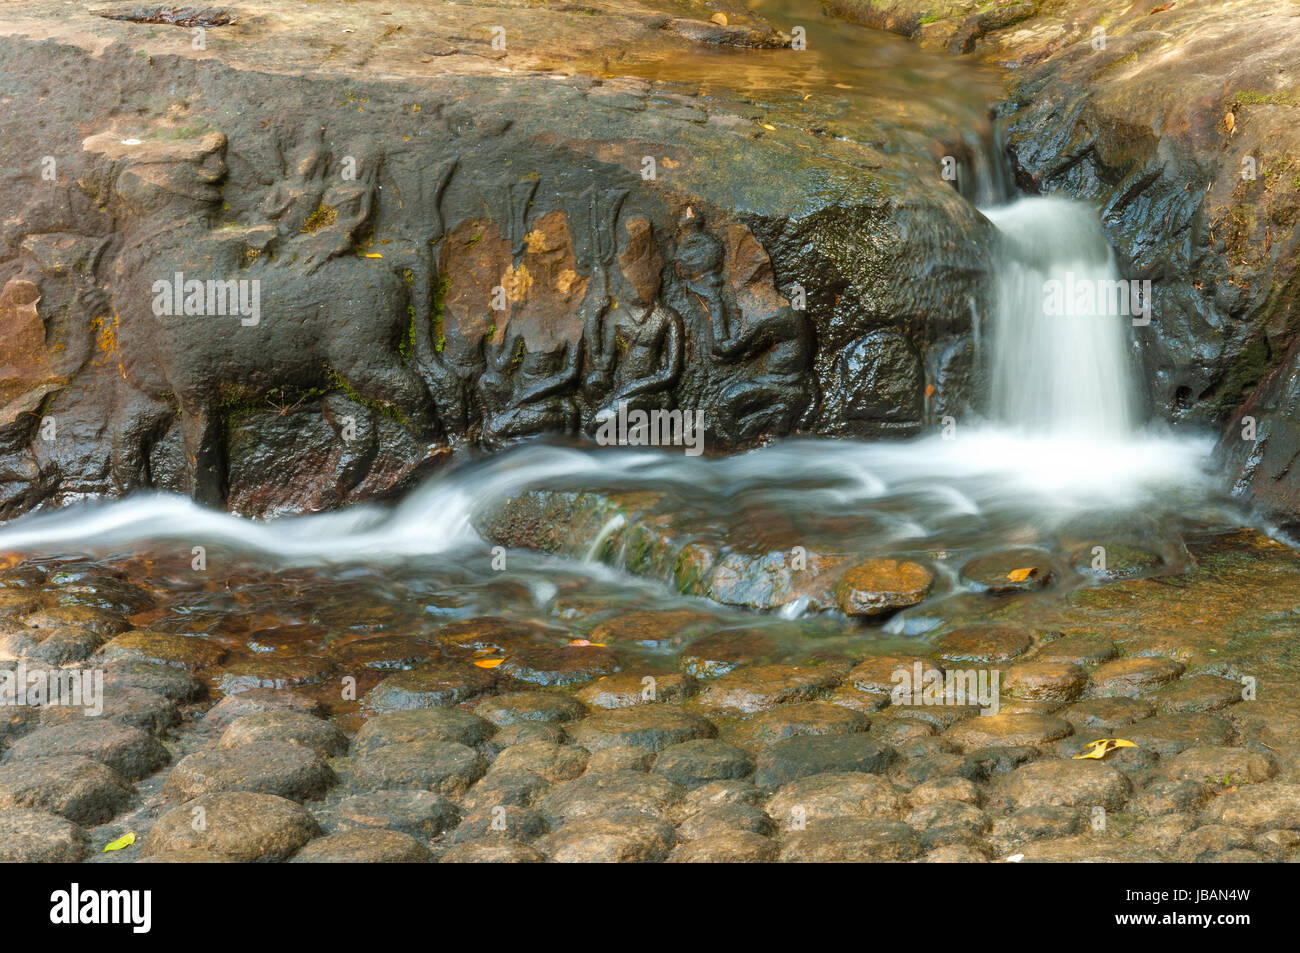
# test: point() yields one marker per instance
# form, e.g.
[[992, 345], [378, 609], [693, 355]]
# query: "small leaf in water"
[[599, 645], [1020, 575], [488, 662], [1102, 746], [719, 18], [126, 840], [1230, 121]]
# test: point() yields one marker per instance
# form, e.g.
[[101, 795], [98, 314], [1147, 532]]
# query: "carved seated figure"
[[527, 392]]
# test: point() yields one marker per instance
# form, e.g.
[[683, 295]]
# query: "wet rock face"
[[295, 317]]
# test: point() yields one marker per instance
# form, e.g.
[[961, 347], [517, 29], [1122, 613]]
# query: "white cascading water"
[[1054, 373]]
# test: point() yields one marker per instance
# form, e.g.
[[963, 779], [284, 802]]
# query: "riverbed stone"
[[693, 763], [1076, 649], [789, 721], [369, 846], [496, 821], [1170, 797], [273, 672], [1008, 731], [1015, 570], [983, 643], [613, 837], [647, 726], [252, 701], [30, 836], [880, 674], [189, 855], [264, 767], [713, 656], [801, 756], [725, 847], [129, 751], [834, 794], [940, 823], [501, 851], [650, 628], [1087, 848], [500, 788], [1210, 839], [948, 788], [190, 653], [1081, 784], [75, 787], [632, 688], [1222, 765], [630, 792], [1166, 735], [1046, 821], [286, 725], [1133, 676], [421, 814], [421, 724], [554, 762], [560, 665], [443, 767], [1257, 807], [56, 617], [878, 586], [166, 680], [242, 825], [1107, 714], [1197, 693], [725, 817], [134, 707], [1045, 681], [437, 685], [852, 840], [54, 647], [756, 688], [718, 793], [530, 707], [384, 652]]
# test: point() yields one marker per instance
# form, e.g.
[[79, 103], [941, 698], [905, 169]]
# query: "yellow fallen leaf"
[[126, 840], [1098, 749], [768, 125], [598, 645], [1020, 575], [374, 254], [1230, 121], [719, 18], [488, 662]]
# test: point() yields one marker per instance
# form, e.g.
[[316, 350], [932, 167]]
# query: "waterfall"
[[1059, 330]]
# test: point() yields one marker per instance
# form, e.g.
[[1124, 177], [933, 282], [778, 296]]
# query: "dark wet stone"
[[1015, 570], [255, 700], [1082, 784], [421, 724], [560, 665], [527, 732], [846, 696], [1107, 714], [286, 725], [715, 655], [1211, 839], [1223, 766], [38, 837], [443, 767], [726, 847], [1198, 693], [271, 672], [500, 821], [940, 823], [992, 762], [502, 788], [789, 721], [880, 674], [898, 732], [148, 711], [1089, 849], [58, 646], [503, 851], [815, 799], [940, 717], [130, 752], [932, 767], [1076, 650], [190, 653], [761, 687], [693, 763], [1035, 823], [1119, 561], [983, 643], [373, 846], [496, 636], [384, 652], [647, 726], [191, 855], [1008, 731], [614, 837], [636, 688], [957, 854], [439, 685], [262, 767], [56, 617], [804, 755], [951, 788], [1256, 807], [518, 707], [877, 586], [654, 629], [166, 680], [721, 818], [554, 762], [1045, 681], [421, 814], [1235, 856], [1166, 735], [1132, 676], [718, 793], [1170, 797], [627, 792], [241, 825], [77, 788], [852, 840]]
